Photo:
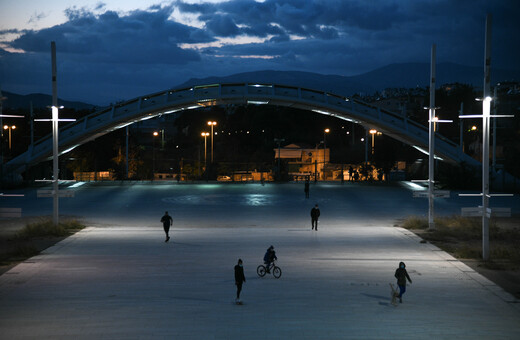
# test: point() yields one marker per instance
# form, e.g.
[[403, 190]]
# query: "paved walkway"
[[123, 282]]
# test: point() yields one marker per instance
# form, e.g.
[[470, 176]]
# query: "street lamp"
[[212, 124], [324, 148], [7, 127], [155, 134], [373, 133], [205, 135]]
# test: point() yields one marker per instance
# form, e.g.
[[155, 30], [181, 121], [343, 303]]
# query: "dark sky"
[[106, 54]]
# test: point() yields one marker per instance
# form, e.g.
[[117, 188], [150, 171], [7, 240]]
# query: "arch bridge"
[[170, 101]]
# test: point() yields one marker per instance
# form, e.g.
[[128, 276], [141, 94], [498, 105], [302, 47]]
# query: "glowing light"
[[77, 184], [69, 149], [322, 112], [426, 152]]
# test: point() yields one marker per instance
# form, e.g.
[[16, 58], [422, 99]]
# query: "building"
[[304, 161]]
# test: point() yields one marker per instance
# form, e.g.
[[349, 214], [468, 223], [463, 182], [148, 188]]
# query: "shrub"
[[45, 228], [415, 222]]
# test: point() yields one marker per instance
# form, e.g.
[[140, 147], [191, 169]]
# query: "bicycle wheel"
[[277, 272], [260, 270]]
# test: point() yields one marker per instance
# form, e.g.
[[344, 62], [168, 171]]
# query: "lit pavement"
[[121, 281]]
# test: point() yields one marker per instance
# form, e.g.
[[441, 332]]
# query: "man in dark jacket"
[[167, 221], [401, 275], [315, 214], [239, 279]]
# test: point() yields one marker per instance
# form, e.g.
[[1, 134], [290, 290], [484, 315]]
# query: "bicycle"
[[261, 270]]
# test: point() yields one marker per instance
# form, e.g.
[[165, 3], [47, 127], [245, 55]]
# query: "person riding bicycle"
[[269, 257]]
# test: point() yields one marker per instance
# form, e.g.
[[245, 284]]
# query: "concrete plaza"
[[122, 281]]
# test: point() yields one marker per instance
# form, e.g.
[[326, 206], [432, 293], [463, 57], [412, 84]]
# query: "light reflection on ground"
[[222, 199]]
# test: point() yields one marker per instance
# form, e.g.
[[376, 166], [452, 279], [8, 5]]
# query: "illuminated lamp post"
[[212, 124], [205, 135], [155, 134], [324, 149], [373, 133], [10, 128]]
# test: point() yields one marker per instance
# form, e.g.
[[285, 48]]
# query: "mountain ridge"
[[403, 75]]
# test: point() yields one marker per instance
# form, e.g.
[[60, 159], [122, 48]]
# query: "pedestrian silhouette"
[[239, 279], [401, 275], [315, 214], [167, 221]]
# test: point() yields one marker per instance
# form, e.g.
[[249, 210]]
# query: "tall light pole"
[[373, 133], [279, 140], [2, 98], [212, 124], [10, 128], [205, 135], [324, 148], [55, 193], [484, 209], [155, 134], [486, 108], [431, 142], [55, 155], [461, 127], [127, 135]]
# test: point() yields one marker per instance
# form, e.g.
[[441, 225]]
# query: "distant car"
[[224, 179]]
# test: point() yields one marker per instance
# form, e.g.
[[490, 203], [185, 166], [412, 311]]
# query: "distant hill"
[[407, 75], [411, 75], [330, 83], [39, 100]]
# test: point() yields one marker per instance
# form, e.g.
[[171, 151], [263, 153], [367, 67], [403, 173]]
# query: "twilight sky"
[[114, 50]]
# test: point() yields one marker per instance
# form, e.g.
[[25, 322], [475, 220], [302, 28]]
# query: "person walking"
[[307, 188], [239, 279], [315, 214], [167, 221], [401, 275], [350, 173]]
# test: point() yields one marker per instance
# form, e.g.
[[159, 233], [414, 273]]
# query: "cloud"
[[106, 54], [140, 37], [222, 26], [36, 17]]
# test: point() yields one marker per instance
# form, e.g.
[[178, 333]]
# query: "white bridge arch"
[[174, 100]]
